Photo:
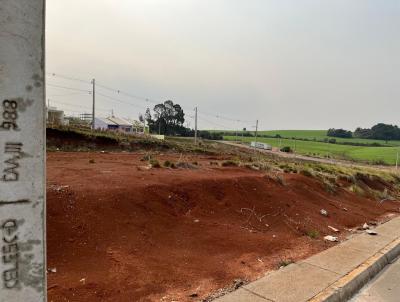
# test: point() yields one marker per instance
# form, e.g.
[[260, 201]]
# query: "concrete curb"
[[347, 286], [334, 275]]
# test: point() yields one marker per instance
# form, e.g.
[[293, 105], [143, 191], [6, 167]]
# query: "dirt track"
[[118, 231]]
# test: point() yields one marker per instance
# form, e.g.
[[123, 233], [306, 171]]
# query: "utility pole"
[[195, 126], [255, 143], [94, 103]]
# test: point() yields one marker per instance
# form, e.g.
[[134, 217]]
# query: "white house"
[[104, 123], [114, 123]]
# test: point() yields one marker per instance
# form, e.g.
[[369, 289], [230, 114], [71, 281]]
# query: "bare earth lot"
[[120, 231]]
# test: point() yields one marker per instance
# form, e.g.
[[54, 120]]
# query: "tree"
[[168, 119], [339, 133], [379, 131]]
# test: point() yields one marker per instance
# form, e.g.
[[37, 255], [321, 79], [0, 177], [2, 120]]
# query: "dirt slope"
[[118, 231]]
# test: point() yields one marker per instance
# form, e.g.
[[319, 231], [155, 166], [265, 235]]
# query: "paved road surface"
[[383, 288]]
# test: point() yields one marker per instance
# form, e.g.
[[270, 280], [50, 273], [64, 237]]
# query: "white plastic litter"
[[331, 238]]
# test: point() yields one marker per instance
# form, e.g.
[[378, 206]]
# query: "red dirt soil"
[[119, 231]]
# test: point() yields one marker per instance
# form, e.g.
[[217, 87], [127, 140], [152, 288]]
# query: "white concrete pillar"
[[22, 151]]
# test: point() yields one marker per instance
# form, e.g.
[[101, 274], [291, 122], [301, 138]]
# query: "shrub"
[[146, 157], [306, 172], [313, 234], [286, 149], [154, 163], [167, 164], [229, 163]]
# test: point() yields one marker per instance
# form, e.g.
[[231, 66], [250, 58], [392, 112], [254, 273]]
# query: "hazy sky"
[[292, 64]]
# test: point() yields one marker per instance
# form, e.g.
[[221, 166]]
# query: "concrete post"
[[22, 151]]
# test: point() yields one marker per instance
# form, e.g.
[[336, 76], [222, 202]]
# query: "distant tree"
[[339, 133], [168, 119], [385, 132], [380, 131], [362, 133]]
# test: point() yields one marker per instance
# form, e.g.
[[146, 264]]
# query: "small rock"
[[324, 212], [344, 209], [196, 220], [238, 283], [331, 238], [333, 229], [371, 232], [52, 270], [194, 295], [83, 280], [365, 226], [374, 223]]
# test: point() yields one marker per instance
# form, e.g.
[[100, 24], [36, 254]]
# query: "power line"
[[134, 96], [213, 123], [120, 101], [121, 92], [219, 116], [79, 106], [68, 94], [67, 78], [68, 88]]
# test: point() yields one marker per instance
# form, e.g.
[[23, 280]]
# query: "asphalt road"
[[385, 287]]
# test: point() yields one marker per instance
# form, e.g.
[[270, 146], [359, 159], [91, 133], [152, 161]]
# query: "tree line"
[[379, 131]]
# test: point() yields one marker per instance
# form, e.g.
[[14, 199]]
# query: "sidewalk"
[[333, 275]]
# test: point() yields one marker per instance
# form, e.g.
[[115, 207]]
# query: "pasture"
[[375, 155]]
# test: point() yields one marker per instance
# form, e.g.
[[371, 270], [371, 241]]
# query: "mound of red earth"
[[120, 231]]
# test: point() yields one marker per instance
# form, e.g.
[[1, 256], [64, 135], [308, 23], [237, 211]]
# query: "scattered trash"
[[52, 270], [365, 226], [196, 220], [331, 238], [83, 280], [333, 229], [259, 260], [324, 212], [273, 236], [371, 232], [344, 209]]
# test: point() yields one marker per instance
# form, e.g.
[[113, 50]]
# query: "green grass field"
[[321, 135], [358, 153]]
